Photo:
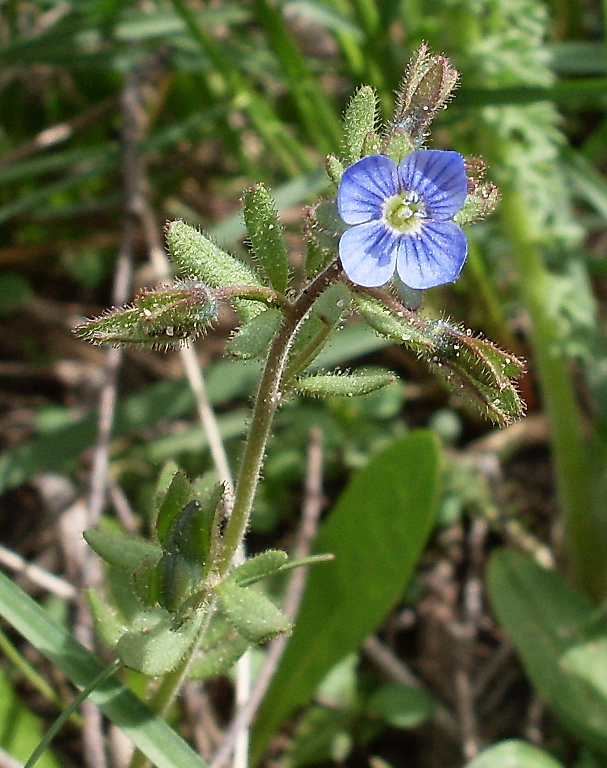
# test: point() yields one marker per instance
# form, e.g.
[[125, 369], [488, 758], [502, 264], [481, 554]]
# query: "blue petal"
[[368, 254], [433, 256], [364, 188], [438, 177]]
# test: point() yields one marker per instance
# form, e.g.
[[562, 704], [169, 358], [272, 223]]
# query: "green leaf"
[[557, 636], [158, 741], [187, 552], [152, 646], [400, 706], [265, 232], [253, 614], [360, 382], [258, 567], [472, 366], [360, 119], [222, 647], [316, 328], [376, 531], [253, 338], [122, 551], [511, 753], [177, 495], [199, 257]]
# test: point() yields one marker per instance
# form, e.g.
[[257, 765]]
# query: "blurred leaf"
[[556, 633], [511, 753], [376, 532], [121, 550], [400, 706], [20, 729]]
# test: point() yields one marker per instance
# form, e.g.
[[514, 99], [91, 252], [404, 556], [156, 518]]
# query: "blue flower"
[[401, 216]]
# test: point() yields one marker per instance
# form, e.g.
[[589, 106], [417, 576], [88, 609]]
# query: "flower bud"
[[424, 90]]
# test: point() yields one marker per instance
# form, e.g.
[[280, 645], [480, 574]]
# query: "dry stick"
[[312, 507], [464, 634], [37, 575]]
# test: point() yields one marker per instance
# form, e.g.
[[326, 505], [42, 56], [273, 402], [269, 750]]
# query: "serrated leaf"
[[118, 549], [265, 232], [344, 384], [253, 614], [178, 494], [400, 706], [258, 567], [360, 120], [106, 622], [153, 646], [198, 256], [253, 338], [514, 752], [552, 627]]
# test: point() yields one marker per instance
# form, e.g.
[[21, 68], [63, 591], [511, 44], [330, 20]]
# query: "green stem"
[[586, 548], [266, 403]]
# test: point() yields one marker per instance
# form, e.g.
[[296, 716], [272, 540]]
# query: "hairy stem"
[[266, 403]]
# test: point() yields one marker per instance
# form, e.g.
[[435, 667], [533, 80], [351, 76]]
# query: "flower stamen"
[[405, 212]]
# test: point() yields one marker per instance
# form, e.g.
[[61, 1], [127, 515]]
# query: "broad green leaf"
[[253, 614], [267, 239], [376, 531], [118, 549], [514, 753], [158, 741], [559, 640], [20, 729]]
